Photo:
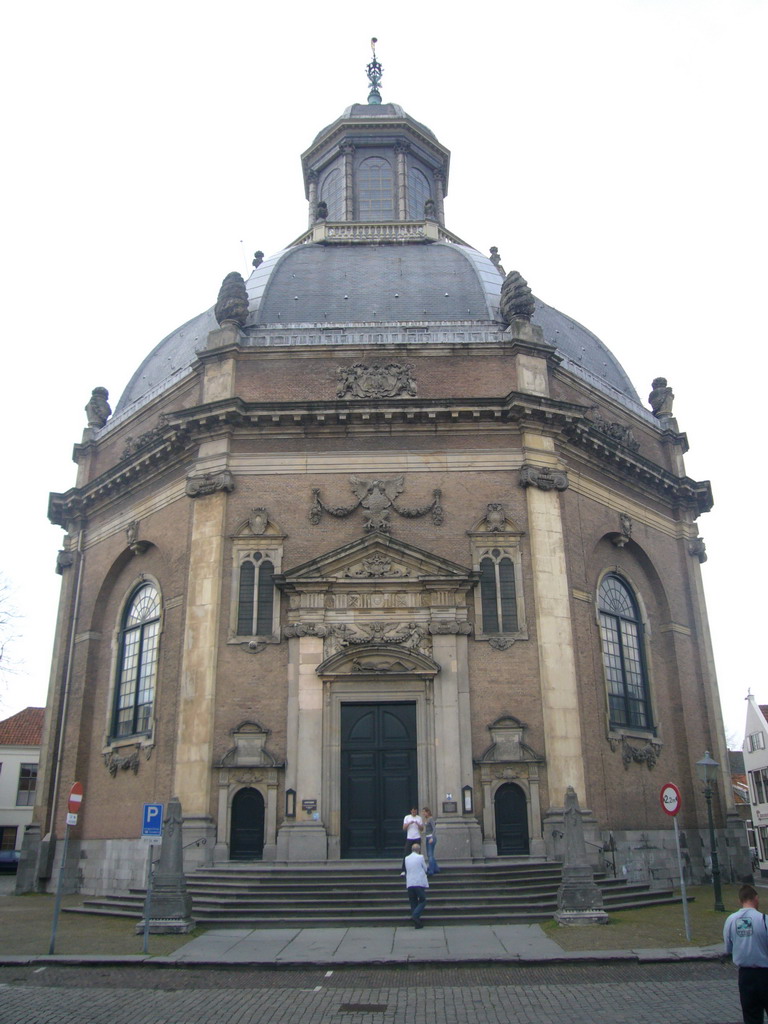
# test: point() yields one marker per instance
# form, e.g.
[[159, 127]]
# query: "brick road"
[[694, 993]]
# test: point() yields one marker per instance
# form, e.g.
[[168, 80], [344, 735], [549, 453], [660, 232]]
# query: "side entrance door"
[[379, 778], [246, 840], [511, 821]]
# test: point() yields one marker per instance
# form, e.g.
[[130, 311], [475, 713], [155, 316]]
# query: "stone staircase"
[[279, 896]]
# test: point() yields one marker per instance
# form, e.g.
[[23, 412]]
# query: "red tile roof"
[[24, 729]]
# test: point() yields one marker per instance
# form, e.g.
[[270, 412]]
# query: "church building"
[[381, 529]]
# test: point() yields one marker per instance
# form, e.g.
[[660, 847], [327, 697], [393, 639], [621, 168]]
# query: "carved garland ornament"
[[648, 755], [617, 432], [377, 499], [130, 763]]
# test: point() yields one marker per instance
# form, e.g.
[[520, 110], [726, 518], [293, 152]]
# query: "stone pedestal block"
[[302, 842]]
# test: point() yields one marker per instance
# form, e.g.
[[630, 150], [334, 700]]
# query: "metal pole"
[[57, 904], [713, 846], [683, 893], [148, 900]]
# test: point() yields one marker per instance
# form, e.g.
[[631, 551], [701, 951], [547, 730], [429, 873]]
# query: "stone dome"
[[377, 265], [448, 290]]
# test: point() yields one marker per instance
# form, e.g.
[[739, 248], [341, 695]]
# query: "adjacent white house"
[[756, 767], [20, 738]]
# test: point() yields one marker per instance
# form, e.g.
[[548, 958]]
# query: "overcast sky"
[[614, 152]]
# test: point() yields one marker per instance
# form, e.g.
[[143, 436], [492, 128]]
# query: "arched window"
[[418, 193], [256, 596], [621, 634], [330, 193], [498, 595], [375, 190], [137, 665]]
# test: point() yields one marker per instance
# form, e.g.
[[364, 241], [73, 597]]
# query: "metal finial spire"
[[374, 71]]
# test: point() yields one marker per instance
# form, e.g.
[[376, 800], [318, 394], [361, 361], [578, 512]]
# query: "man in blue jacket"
[[745, 935]]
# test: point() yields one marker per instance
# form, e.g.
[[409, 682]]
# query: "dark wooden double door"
[[379, 778]]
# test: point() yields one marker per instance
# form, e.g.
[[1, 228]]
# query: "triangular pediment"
[[378, 560]]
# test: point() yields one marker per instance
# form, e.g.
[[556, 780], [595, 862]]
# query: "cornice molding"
[[178, 434]]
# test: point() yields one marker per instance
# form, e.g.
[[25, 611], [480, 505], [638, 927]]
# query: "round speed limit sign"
[[670, 799]]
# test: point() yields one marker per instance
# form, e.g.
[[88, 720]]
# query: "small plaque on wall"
[[308, 805], [450, 807]]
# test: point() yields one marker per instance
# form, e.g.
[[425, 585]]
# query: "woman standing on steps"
[[430, 835]]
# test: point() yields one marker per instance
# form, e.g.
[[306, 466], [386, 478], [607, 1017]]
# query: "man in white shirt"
[[412, 826], [416, 883], [745, 935]]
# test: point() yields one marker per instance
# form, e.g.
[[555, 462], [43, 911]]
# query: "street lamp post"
[[706, 769]]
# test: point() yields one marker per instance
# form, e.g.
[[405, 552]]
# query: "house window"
[[375, 190], [137, 664], [25, 795], [498, 594], [756, 741], [757, 787], [7, 837], [256, 596], [621, 634]]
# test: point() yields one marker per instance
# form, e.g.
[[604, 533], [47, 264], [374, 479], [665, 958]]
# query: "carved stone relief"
[[98, 409], [257, 521], [516, 301], [232, 304], [138, 547], [501, 643], [375, 567], [377, 499], [64, 560], [208, 483], [698, 549], [508, 743], [145, 440], [495, 518], [115, 763], [379, 380], [250, 748], [648, 754], [622, 538], [450, 628], [543, 477], [616, 431], [661, 398]]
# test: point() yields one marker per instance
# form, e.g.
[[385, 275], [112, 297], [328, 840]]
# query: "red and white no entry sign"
[[670, 799], [75, 798]]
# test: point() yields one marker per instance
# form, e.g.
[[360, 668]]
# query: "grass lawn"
[[652, 927], [26, 930]]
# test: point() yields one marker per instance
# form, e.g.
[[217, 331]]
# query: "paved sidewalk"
[[334, 947]]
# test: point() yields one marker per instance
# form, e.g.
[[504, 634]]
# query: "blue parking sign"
[[152, 822]]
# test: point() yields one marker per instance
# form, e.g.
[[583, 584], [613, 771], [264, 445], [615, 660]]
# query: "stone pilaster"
[[460, 837], [401, 212], [557, 663], [197, 689], [312, 182], [304, 838], [348, 152], [439, 196]]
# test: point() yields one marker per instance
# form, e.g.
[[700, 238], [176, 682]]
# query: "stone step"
[[360, 917], [321, 897]]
